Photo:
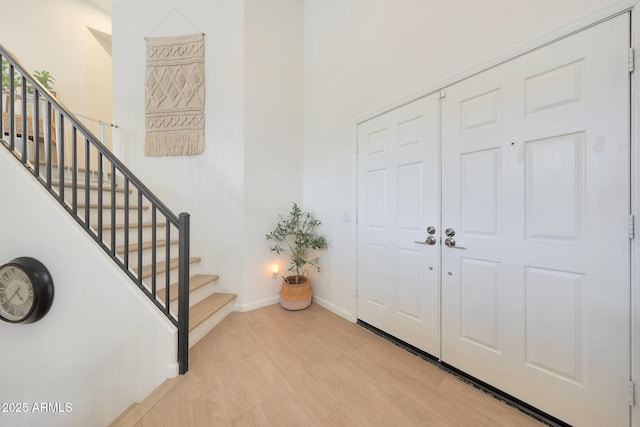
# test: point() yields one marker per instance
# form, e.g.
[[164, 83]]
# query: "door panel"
[[555, 176], [535, 183], [398, 275], [555, 312], [480, 192], [479, 316]]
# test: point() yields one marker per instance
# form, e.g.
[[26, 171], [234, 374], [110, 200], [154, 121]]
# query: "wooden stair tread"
[[200, 280], [108, 206], [131, 225], [195, 282], [207, 307], [67, 167], [82, 186], [133, 247], [161, 266], [123, 418], [137, 411]]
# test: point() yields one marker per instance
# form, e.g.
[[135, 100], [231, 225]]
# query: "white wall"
[[251, 168], [208, 186], [53, 35], [362, 55], [102, 345], [358, 57], [273, 136]]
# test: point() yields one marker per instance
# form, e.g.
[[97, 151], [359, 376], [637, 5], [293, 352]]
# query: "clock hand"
[[20, 297], [13, 295]]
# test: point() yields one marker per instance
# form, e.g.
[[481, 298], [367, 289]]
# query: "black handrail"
[[43, 131]]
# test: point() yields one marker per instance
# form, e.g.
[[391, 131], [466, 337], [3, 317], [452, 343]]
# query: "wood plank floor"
[[271, 367]]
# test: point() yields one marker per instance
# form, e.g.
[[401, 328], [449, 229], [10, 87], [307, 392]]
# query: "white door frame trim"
[[635, 211]]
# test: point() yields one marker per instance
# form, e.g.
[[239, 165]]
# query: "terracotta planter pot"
[[295, 296]]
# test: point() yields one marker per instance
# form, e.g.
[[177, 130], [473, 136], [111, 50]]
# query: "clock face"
[[16, 294]]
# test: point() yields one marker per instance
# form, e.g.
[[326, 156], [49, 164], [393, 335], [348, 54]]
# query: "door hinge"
[[632, 227], [632, 393], [631, 59]]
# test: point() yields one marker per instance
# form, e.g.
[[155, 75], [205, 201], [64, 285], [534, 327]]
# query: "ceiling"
[[101, 4]]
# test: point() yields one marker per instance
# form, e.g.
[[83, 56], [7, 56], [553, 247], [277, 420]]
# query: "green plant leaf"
[[297, 234]]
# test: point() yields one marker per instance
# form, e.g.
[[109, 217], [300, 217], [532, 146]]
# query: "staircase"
[[136, 230], [206, 306]]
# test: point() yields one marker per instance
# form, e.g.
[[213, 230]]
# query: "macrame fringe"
[[173, 144]]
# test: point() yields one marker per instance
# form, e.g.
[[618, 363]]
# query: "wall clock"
[[26, 290]]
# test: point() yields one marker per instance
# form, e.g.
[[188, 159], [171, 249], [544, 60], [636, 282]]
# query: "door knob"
[[430, 240], [451, 243], [450, 232]]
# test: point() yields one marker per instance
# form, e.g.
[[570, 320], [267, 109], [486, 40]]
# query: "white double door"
[[493, 226]]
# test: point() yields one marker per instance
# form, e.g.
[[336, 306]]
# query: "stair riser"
[[161, 278], [196, 296], [204, 328], [106, 215], [133, 235], [160, 289], [147, 254], [93, 192], [93, 175], [93, 196]]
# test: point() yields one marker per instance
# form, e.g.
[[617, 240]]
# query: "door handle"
[[451, 243], [430, 240]]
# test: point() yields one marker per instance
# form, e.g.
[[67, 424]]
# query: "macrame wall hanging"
[[174, 95]]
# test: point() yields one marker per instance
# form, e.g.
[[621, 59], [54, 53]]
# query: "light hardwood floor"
[[271, 367]]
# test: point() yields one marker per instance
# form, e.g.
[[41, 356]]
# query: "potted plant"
[[45, 78], [17, 79], [298, 235]]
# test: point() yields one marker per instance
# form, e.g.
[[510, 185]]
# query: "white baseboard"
[[351, 317], [256, 304]]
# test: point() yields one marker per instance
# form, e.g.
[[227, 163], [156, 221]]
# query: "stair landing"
[[136, 411]]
